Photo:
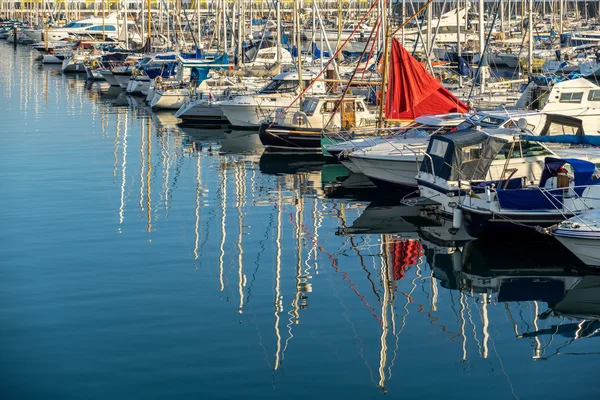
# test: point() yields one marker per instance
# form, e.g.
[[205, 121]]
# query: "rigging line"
[[512, 389], [364, 267], [351, 284], [333, 57]]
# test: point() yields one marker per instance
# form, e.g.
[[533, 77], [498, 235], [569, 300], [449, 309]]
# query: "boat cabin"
[[289, 82], [318, 111], [540, 123]]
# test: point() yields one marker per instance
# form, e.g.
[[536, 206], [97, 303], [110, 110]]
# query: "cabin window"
[[360, 107], [532, 149], [505, 152], [279, 86], [571, 97], [438, 148], [492, 121], [98, 28], [471, 153], [594, 95], [561, 129], [310, 106], [328, 107]]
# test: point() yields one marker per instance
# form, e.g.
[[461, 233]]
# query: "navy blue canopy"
[[589, 140], [582, 169], [535, 199]]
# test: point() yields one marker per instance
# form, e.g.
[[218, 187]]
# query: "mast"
[[458, 44], [103, 31], [198, 22], [225, 46], [429, 45], [278, 48], [560, 16], [149, 28], [240, 21], [482, 61], [530, 34], [298, 49]]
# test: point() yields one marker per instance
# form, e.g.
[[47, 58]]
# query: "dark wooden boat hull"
[[288, 138]]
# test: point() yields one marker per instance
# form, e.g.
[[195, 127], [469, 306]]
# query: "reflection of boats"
[[240, 142], [203, 135], [495, 272], [406, 221], [281, 163]]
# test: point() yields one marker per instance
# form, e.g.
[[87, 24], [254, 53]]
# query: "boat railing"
[[572, 193]]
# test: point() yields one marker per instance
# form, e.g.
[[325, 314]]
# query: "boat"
[[301, 130], [411, 93], [567, 187], [581, 235], [248, 111]]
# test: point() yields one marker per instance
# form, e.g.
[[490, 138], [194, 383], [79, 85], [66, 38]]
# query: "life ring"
[[508, 50], [300, 118]]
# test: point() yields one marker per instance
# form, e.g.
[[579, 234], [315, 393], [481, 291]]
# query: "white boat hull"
[[110, 78], [401, 171], [122, 80], [587, 249], [198, 112], [170, 100], [138, 86], [51, 59]]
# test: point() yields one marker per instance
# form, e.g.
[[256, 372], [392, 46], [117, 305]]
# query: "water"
[[140, 260]]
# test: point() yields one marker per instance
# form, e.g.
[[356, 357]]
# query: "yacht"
[[581, 235], [109, 27], [566, 187], [248, 111]]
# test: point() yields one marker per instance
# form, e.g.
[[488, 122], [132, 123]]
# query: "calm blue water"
[[140, 260]]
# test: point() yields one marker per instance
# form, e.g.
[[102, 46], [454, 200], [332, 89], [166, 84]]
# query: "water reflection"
[[309, 257]]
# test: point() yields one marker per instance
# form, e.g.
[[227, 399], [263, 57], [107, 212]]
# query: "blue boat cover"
[[536, 199], [582, 169], [589, 140]]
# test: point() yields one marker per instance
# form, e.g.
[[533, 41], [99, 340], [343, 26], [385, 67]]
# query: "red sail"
[[412, 91]]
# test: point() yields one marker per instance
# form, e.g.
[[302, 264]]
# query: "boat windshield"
[[281, 86], [76, 25]]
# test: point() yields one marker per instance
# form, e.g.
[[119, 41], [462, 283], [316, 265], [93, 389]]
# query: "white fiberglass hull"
[[51, 59], [137, 86], [171, 100], [399, 171], [586, 248], [122, 80], [199, 112], [110, 78], [247, 116], [34, 34]]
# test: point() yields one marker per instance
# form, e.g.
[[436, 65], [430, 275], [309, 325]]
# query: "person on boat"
[[470, 108]]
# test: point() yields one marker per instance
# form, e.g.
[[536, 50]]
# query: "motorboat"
[[248, 111], [567, 187], [581, 235], [457, 163]]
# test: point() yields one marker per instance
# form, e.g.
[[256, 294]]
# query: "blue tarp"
[[536, 199], [583, 170], [589, 140], [530, 199]]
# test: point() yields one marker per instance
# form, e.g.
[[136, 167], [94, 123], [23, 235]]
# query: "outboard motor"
[[558, 54]]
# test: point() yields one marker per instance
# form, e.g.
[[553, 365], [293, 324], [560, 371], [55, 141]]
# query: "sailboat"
[[411, 92]]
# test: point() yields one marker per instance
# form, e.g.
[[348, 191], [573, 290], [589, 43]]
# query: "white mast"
[[482, 61], [278, 44], [530, 25], [240, 21]]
